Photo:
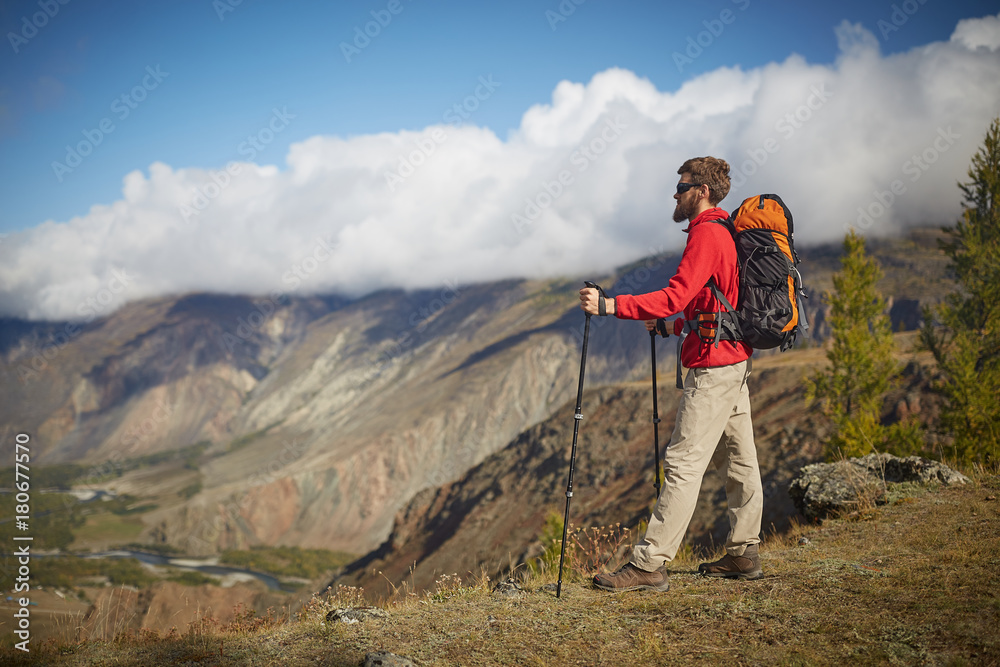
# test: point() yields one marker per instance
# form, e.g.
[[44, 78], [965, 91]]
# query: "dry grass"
[[912, 582]]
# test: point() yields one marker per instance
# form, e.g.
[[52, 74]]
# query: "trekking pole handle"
[[602, 295]]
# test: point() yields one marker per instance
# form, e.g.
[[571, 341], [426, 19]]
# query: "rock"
[[823, 489], [804, 541], [913, 469], [355, 614], [509, 588], [386, 659]]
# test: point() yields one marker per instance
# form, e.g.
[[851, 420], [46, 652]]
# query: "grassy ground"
[[912, 582], [107, 530], [288, 561]]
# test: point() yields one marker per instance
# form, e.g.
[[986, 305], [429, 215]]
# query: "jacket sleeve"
[[700, 256]]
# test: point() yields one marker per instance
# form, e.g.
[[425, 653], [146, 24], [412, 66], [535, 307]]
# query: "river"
[[208, 566]]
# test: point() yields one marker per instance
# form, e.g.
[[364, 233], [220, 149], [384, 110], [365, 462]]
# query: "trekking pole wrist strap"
[[602, 306]]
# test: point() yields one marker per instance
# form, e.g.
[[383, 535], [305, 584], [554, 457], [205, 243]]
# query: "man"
[[713, 418]]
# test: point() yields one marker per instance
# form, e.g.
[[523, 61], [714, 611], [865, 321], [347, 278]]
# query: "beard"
[[683, 211]]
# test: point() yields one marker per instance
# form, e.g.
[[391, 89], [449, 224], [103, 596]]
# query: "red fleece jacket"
[[710, 253]]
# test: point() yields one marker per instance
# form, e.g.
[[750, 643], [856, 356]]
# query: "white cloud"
[[975, 33], [347, 215]]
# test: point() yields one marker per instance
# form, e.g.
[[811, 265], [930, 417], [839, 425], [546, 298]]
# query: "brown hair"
[[710, 171]]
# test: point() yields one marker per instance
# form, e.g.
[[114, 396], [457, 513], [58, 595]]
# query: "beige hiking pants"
[[713, 424]]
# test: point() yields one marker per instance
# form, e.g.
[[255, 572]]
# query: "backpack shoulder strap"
[[727, 223], [717, 293]]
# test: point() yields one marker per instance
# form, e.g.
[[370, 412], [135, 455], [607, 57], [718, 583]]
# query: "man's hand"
[[663, 330], [589, 298]]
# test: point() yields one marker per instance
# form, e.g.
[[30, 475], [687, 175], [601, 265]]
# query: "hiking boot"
[[631, 578], [746, 566]]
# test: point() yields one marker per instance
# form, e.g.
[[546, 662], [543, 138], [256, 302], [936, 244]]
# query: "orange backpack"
[[768, 313]]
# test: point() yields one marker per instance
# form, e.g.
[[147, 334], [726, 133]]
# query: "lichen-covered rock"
[[386, 659], [823, 489], [913, 469], [508, 588], [355, 614]]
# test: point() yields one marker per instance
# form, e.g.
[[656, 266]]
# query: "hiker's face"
[[687, 201]]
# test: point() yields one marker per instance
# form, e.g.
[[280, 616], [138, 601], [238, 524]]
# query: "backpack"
[[768, 313]]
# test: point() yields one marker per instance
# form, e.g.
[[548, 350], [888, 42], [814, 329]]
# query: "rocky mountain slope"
[[317, 419]]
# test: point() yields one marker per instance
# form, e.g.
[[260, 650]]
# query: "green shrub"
[[288, 561]]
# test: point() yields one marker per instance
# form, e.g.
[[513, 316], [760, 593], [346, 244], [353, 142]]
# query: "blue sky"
[[236, 148], [228, 69]]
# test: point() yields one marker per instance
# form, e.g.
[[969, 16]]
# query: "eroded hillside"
[[313, 421]]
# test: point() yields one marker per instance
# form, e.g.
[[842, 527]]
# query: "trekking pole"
[[577, 417], [661, 328]]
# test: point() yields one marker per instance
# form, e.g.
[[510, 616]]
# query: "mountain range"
[[364, 425]]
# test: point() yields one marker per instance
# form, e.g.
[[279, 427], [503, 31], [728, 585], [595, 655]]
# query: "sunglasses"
[[684, 187]]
